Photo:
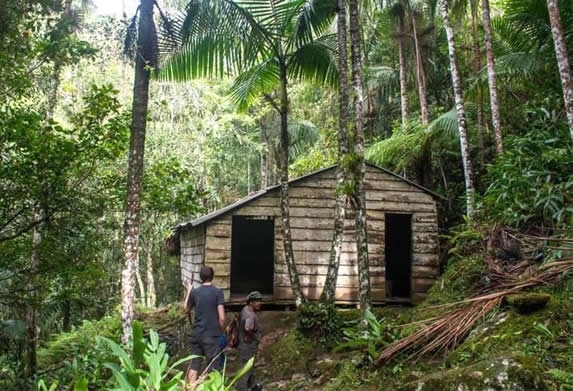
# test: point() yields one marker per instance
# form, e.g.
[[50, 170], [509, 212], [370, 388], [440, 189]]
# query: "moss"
[[528, 302], [290, 354]]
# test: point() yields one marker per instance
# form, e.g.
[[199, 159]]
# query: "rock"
[[298, 378], [528, 302], [499, 374]]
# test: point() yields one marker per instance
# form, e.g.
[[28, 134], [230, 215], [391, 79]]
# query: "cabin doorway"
[[252, 254], [398, 250]]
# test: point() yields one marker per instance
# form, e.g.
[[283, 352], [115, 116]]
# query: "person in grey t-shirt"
[[250, 332], [209, 323]]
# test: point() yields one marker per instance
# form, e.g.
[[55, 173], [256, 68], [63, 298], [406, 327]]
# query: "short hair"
[[206, 274]]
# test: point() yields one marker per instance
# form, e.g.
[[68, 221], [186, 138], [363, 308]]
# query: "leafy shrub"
[[532, 181], [319, 320], [146, 368], [371, 335]]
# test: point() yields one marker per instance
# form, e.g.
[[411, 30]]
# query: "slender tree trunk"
[[491, 77], [562, 59], [150, 278], [32, 321], [264, 156], [285, 210], [403, 80], [329, 290], [462, 125], [140, 283], [55, 82], [359, 199], [135, 165], [477, 64], [419, 72]]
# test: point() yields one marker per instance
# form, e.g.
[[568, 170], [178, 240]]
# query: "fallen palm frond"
[[446, 331]]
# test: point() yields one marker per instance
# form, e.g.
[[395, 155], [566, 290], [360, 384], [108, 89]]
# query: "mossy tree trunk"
[[329, 290], [359, 169]]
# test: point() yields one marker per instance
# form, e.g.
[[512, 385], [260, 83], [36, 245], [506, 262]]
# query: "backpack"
[[232, 330]]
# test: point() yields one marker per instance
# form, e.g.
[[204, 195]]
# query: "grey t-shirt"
[[205, 300], [249, 319]]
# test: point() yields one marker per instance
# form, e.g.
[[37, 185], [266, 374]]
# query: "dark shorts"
[[207, 347]]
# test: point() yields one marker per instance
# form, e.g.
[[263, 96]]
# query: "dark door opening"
[[252, 254], [398, 246]]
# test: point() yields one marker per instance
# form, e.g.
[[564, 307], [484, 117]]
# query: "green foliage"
[[290, 354], [147, 367], [371, 334], [563, 379], [531, 182], [319, 321]]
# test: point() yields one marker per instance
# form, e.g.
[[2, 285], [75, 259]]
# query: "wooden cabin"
[[243, 243]]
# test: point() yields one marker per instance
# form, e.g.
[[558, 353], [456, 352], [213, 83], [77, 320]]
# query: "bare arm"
[[186, 300], [221, 311]]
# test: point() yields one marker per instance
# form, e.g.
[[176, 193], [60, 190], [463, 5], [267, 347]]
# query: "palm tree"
[[265, 42], [398, 10], [491, 77], [562, 59], [358, 197], [141, 44], [461, 116], [329, 290], [420, 76]]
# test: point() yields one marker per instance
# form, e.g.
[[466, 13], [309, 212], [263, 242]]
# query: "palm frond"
[[13, 329], [130, 41], [312, 19], [219, 36], [316, 61], [381, 78], [399, 151], [446, 125], [250, 84]]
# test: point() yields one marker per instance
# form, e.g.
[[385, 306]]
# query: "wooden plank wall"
[[312, 212], [192, 254]]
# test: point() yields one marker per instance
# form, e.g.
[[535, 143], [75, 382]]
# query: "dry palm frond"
[[445, 332]]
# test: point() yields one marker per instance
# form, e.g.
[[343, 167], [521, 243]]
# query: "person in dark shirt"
[[250, 332], [209, 323]]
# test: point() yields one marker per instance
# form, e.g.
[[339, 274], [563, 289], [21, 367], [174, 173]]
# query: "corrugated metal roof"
[[260, 193]]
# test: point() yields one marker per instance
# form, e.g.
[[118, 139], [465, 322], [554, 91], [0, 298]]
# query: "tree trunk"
[[419, 71], [264, 156], [403, 80], [358, 198], [491, 77], [329, 290], [562, 59], [462, 125], [32, 321], [285, 211], [55, 82], [140, 285], [477, 65], [151, 296], [135, 165]]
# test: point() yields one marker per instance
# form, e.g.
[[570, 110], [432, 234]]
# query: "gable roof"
[[260, 193]]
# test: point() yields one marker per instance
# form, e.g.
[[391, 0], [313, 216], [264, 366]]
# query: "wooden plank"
[[425, 248], [296, 202], [423, 237], [217, 256], [391, 206], [425, 217], [425, 259], [313, 258], [218, 243], [341, 294], [321, 269], [282, 279], [399, 196], [424, 271], [325, 245], [219, 230], [425, 227]]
